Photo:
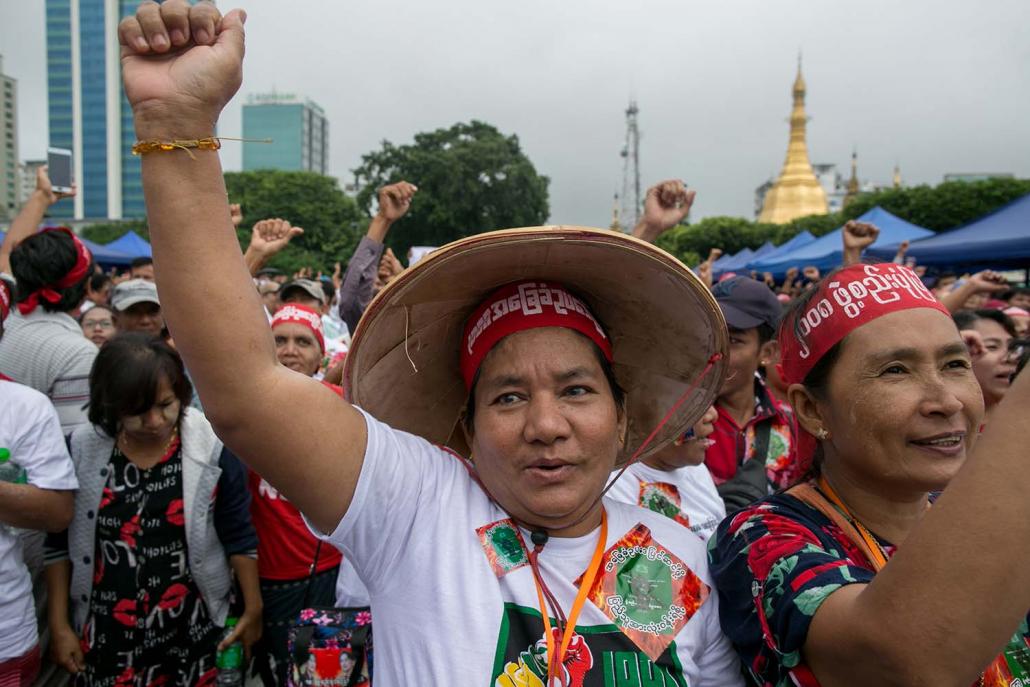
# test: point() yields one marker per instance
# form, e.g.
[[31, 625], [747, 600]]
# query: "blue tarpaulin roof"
[[101, 254], [131, 244], [827, 251], [802, 239], [740, 260], [727, 265], [999, 239]]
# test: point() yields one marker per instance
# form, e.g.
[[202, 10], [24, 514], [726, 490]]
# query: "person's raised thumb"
[[231, 32]]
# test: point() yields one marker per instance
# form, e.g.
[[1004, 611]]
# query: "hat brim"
[[737, 318], [664, 324], [135, 300]]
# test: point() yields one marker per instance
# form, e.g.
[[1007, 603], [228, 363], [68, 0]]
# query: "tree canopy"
[[471, 178], [331, 220]]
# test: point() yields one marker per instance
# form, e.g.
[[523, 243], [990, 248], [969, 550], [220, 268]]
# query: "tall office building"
[[88, 112], [297, 127], [10, 179]]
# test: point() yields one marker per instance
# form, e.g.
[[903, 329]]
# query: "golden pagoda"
[[796, 192], [897, 176]]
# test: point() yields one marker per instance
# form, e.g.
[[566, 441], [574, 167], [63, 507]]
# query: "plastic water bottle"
[[229, 660], [9, 470]]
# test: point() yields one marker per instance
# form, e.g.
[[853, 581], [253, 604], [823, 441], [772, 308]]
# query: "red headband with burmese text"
[[295, 313], [844, 302], [520, 306], [51, 292]]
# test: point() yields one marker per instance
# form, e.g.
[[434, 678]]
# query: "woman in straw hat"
[[851, 578], [534, 350]]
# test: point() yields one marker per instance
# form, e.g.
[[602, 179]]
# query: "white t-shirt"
[[687, 495], [30, 430], [454, 601], [350, 590]]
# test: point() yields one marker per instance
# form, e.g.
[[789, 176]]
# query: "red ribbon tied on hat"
[[843, 302], [51, 292], [525, 305], [294, 313]]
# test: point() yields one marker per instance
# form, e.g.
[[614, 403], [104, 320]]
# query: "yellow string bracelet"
[[209, 143]]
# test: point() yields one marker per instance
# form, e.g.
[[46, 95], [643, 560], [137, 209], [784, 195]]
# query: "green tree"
[[105, 232], [471, 178], [333, 224]]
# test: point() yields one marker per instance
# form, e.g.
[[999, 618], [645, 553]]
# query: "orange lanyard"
[[577, 606], [878, 554]]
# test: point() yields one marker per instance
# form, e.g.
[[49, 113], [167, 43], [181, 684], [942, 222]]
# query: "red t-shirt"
[[733, 444], [286, 548]]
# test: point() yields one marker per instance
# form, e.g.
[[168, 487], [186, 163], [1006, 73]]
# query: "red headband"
[[853, 297], [301, 314], [520, 306], [50, 292], [5, 300]]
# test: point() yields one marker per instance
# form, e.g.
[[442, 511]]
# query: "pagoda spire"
[[852, 191], [796, 192], [897, 175]]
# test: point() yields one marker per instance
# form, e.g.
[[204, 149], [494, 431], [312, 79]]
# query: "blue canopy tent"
[[101, 254], [131, 244], [106, 256], [735, 262], [799, 241], [827, 252], [1000, 239]]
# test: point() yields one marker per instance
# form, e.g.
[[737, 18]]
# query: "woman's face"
[[98, 325], [688, 450], [546, 427], [903, 406], [159, 421], [993, 369], [297, 348]]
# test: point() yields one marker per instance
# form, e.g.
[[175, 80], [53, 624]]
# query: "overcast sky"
[[936, 86]]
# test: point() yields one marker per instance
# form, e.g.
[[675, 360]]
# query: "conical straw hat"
[[664, 325]]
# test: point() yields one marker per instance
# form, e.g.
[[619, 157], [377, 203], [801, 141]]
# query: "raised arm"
[[356, 291], [32, 212], [180, 65], [982, 282], [665, 206], [857, 236]]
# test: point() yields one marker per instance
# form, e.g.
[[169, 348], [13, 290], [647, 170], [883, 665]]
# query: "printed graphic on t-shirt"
[[647, 591], [503, 545], [1012, 667], [664, 498], [597, 656]]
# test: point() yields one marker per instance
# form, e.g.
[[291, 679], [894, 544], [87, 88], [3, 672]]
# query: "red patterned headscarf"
[[844, 301], [520, 306], [51, 292], [295, 313]]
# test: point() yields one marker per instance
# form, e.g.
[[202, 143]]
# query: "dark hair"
[[98, 281], [125, 375], [1017, 291], [328, 289], [618, 394], [98, 306], [965, 319], [43, 259], [141, 261]]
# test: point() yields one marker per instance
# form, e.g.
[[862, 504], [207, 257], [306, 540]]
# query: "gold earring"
[[822, 434]]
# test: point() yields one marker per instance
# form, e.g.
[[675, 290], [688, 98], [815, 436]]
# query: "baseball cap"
[[747, 303], [309, 286], [133, 291]]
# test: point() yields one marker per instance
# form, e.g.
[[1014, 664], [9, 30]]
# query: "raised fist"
[[859, 235], [270, 236], [666, 204], [988, 282], [181, 64], [395, 199]]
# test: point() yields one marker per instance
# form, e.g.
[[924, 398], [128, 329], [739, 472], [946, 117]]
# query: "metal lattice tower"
[[631, 203]]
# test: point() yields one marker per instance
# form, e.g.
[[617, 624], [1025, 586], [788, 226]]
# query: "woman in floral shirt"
[[850, 578]]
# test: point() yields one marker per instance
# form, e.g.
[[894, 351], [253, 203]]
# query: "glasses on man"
[[99, 324]]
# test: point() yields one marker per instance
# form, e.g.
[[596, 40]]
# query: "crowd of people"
[[537, 457]]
